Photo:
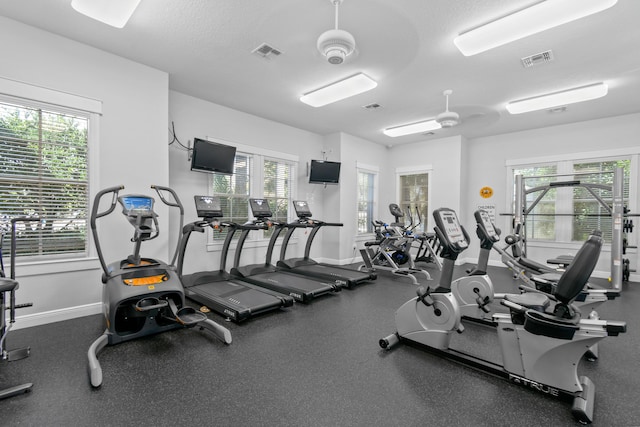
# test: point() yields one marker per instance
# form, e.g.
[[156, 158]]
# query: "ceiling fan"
[[336, 45], [448, 119]]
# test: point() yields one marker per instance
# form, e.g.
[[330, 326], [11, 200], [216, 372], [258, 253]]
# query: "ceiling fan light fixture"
[[526, 22], [339, 90], [111, 12], [558, 99], [412, 128], [336, 45], [448, 119]]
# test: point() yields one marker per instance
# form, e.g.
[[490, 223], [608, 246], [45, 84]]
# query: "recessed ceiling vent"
[[537, 59], [266, 51], [372, 107]]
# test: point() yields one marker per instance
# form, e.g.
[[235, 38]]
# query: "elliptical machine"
[[141, 296], [541, 347], [393, 243]]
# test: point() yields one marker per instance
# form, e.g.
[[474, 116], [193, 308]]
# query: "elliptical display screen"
[[133, 205], [260, 208]]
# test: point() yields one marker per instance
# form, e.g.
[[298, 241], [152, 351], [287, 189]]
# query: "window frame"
[[258, 156], [564, 223], [375, 172], [31, 96], [416, 170]]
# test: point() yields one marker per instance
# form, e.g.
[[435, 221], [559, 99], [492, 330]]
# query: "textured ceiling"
[[406, 45]]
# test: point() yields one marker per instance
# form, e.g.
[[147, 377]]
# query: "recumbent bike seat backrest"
[[577, 274]]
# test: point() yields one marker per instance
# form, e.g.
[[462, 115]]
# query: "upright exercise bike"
[[141, 296], [541, 348]]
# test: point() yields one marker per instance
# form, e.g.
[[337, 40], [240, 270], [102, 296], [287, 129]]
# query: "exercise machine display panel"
[[135, 205], [208, 206], [447, 221], [302, 209], [260, 208], [483, 216]]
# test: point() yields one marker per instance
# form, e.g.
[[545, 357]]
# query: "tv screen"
[[212, 157], [324, 172]]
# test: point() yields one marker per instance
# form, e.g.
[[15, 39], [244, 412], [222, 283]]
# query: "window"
[[590, 214], [366, 199], [234, 192], [540, 223], [255, 176], [44, 175], [571, 213], [414, 196]]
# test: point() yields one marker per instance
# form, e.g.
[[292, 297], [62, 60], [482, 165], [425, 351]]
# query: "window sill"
[[571, 246]]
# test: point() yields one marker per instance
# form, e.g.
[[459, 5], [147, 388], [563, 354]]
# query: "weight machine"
[[617, 212]]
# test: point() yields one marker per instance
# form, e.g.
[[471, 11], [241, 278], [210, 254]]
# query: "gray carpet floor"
[[309, 365]]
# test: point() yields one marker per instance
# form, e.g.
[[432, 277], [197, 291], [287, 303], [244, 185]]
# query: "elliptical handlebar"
[[95, 215], [176, 204]]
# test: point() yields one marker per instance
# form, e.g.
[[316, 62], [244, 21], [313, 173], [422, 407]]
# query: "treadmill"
[[306, 266], [232, 298], [302, 289]]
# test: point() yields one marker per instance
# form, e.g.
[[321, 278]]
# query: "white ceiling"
[[405, 45]]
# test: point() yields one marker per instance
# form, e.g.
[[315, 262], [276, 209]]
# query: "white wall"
[[444, 157], [356, 151], [132, 152], [193, 118]]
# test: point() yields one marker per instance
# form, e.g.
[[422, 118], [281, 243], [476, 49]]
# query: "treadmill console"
[[450, 229], [260, 208], [208, 206], [486, 226], [302, 209]]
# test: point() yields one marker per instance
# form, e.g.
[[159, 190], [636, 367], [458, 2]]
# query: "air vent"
[[373, 106], [537, 59], [266, 51]]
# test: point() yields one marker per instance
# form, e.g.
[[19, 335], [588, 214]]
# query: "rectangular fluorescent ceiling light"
[[339, 90], [539, 17], [111, 12], [556, 99], [419, 127]]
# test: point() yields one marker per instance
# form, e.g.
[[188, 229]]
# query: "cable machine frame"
[[616, 210]]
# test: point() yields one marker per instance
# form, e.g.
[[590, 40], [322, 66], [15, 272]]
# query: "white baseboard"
[[52, 316]]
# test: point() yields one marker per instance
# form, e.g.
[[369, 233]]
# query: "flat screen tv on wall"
[[212, 157], [324, 172]]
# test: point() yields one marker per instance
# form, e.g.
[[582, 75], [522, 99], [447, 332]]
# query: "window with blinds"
[[43, 177], [570, 214], [540, 223], [255, 176], [590, 214], [277, 189], [234, 192]]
